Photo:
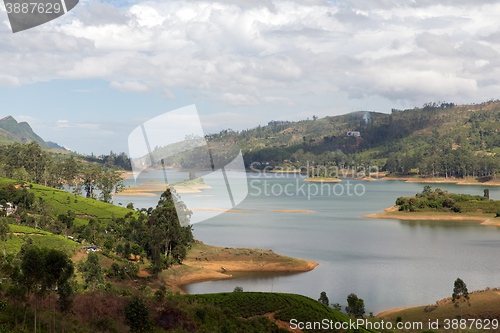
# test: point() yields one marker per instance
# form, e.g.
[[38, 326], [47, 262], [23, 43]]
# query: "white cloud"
[[239, 99], [130, 86], [9, 81], [242, 50]]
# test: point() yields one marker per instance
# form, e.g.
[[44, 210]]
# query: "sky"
[[89, 78]]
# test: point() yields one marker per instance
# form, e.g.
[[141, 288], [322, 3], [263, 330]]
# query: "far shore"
[[323, 180], [393, 213], [441, 180]]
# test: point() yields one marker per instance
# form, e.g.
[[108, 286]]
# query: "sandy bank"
[[136, 194], [206, 262], [332, 180], [444, 181], [292, 211], [393, 213]]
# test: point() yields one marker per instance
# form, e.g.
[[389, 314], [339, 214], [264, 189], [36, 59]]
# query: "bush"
[[405, 206], [137, 315], [498, 213], [400, 201], [448, 203]]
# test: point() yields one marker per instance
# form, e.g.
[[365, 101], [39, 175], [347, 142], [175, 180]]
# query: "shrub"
[[400, 201], [137, 315], [448, 203], [404, 206]]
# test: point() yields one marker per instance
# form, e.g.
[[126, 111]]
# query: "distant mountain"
[[21, 132], [55, 145]]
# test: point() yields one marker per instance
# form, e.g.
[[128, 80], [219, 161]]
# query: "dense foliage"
[[438, 200], [30, 163]]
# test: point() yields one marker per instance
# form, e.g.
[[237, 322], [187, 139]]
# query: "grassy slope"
[[39, 237], [283, 306], [62, 201], [483, 305]]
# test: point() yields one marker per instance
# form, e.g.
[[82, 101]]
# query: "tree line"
[[28, 162]]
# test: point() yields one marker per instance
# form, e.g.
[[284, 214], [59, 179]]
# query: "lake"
[[388, 263]]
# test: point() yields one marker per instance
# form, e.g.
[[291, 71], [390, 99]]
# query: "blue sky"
[[87, 79]]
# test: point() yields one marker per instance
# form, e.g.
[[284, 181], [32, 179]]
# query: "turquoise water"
[[388, 263]]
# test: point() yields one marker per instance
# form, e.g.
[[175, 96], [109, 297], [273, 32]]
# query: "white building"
[[355, 133]]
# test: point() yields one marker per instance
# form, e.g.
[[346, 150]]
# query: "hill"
[[12, 131], [55, 145]]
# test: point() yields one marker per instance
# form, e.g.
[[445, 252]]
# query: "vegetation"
[[29, 163], [323, 298], [355, 306], [437, 140], [438, 200], [460, 291]]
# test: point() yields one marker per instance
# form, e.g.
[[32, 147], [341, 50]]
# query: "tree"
[[323, 298], [487, 193], [108, 183], [137, 315], [426, 190], [4, 232], [32, 261], [136, 250], [238, 289], [58, 269], [192, 175], [355, 306], [459, 291], [171, 234], [337, 307], [66, 293], [92, 272]]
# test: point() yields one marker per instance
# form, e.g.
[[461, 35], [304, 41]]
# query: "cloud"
[[129, 86], [242, 50], [167, 94], [239, 99], [9, 81]]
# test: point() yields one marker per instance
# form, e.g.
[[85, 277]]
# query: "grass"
[[62, 201], [483, 305], [39, 237], [284, 306], [191, 182]]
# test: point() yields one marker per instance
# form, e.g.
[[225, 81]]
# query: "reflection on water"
[[388, 263], [442, 224]]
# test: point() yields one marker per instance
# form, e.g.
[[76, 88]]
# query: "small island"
[[441, 205]]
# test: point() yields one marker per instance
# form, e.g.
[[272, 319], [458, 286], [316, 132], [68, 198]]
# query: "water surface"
[[388, 263]]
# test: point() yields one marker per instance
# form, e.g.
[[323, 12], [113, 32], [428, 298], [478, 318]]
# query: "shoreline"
[[210, 263], [392, 213], [323, 180], [460, 181]]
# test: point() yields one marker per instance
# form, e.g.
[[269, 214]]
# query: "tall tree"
[[460, 291], [171, 234], [58, 270], [323, 298], [32, 264], [92, 271], [355, 306], [137, 315], [4, 232], [108, 183]]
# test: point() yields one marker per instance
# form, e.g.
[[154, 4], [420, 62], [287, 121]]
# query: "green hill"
[[243, 307], [21, 132]]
